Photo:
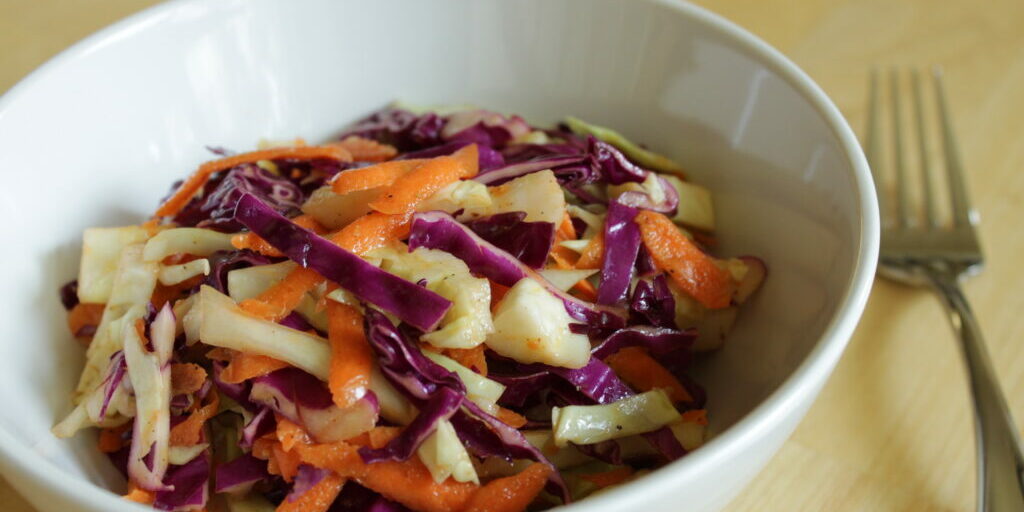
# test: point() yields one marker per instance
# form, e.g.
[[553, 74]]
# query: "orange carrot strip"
[[510, 418], [139, 495], [498, 292], [407, 191], [380, 175], [695, 272], [186, 378], [189, 431], [112, 439], [181, 197], [609, 478], [366, 150], [698, 416], [472, 358], [84, 315], [584, 290], [593, 253], [408, 482], [512, 493], [162, 294], [566, 230], [287, 462], [279, 300], [317, 498], [351, 357], [469, 159], [644, 373], [379, 437], [244, 366], [221, 354], [289, 433], [371, 231]]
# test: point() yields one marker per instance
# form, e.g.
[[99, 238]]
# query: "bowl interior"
[[96, 138]]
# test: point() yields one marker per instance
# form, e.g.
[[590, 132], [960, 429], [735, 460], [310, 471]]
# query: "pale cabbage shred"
[[637, 414], [468, 322], [531, 326], [151, 379]]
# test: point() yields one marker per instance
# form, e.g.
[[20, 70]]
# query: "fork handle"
[[1000, 463]]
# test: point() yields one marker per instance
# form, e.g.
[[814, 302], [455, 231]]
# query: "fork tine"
[[926, 172], [872, 142], [954, 169], [902, 190]]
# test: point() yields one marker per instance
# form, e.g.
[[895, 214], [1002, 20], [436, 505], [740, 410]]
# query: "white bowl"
[[95, 136]]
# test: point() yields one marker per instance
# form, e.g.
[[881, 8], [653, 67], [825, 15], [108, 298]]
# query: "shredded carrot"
[[473, 358], [373, 230], [351, 357], [287, 462], [112, 439], [221, 354], [407, 191], [367, 150], [186, 378], [566, 231], [377, 437], [695, 272], [139, 495], [163, 294], [244, 366], [408, 482], [374, 176], [512, 493], [263, 447], [584, 290], [609, 478], [84, 315], [469, 159], [289, 433], [195, 182], [698, 416], [705, 239], [189, 432], [644, 373], [510, 418], [317, 498], [279, 300], [593, 253]]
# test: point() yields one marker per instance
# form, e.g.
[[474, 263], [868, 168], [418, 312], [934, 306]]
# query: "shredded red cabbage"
[[529, 242], [413, 304]]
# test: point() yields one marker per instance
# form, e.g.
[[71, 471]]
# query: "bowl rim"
[[18, 462]]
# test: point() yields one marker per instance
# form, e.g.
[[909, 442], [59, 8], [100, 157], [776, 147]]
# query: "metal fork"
[[928, 253]]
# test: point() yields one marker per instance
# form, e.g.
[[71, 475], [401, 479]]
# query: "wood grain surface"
[[892, 429]]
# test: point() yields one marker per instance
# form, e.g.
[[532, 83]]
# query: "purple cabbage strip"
[[214, 209], [69, 294], [419, 378], [261, 423], [116, 371], [222, 262], [622, 243], [238, 475], [305, 479], [657, 340], [189, 483], [438, 408], [529, 242], [653, 303], [438, 230], [413, 304], [297, 322], [400, 128], [403, 364], [616, 168], [515, 170], [644, 263], [238, 392]]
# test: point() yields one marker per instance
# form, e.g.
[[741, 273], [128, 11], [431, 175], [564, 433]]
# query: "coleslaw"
[[441, 310]]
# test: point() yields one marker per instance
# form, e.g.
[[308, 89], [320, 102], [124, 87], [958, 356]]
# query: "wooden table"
[[892, 429]]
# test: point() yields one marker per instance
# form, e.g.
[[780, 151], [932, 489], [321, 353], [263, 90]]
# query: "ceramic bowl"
[[94, 138]]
